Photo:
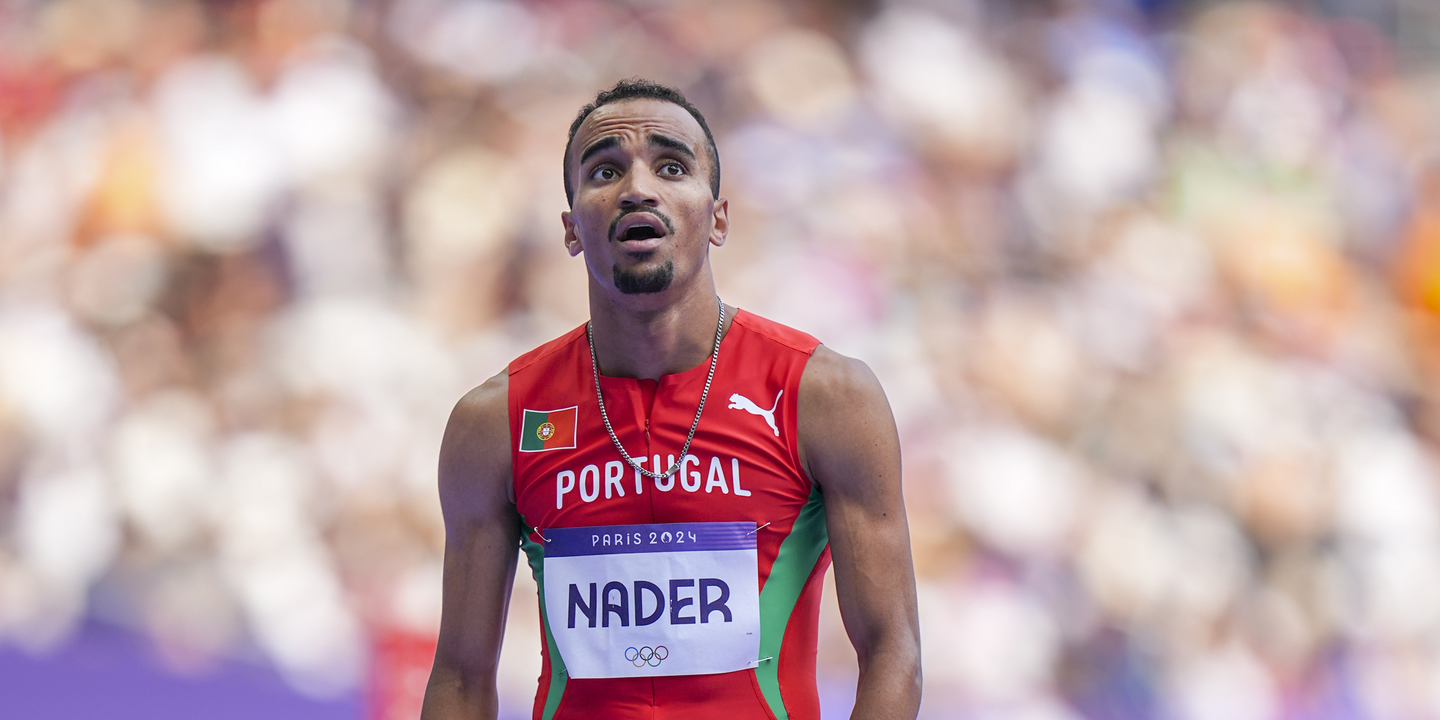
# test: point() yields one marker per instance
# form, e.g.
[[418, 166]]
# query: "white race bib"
[[646, 600]]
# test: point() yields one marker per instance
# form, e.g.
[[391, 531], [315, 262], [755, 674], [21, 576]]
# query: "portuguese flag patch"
[[542, 430]]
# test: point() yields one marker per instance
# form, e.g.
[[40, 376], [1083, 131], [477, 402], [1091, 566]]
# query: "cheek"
[[702, 213], [696, 205], [594, 219]]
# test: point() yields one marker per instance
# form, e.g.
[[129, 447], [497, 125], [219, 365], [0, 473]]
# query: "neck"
[[647, 341]]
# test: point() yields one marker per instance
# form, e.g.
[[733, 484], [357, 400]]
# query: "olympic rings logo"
[[647, 655]]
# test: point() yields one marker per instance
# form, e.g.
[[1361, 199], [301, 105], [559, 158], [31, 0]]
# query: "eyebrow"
[[604, 143], [612, 141], [666, 141]]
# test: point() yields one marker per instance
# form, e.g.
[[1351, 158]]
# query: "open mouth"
[[640, 232], [640, 227]]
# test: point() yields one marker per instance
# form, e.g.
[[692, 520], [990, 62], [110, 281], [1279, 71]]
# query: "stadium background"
[[1153, 287]]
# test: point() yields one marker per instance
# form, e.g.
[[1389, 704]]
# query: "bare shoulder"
[[475, 454], [844, 416], [485, 403], [834, 378]]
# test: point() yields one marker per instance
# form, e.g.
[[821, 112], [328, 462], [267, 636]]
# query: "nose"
[[639, 189]]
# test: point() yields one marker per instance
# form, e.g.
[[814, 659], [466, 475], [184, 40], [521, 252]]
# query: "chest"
[[740, 465]]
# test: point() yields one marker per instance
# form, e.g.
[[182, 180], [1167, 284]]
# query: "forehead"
[[633, 120]]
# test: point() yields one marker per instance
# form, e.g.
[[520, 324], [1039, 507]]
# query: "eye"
[[604, 172], [672, 169]]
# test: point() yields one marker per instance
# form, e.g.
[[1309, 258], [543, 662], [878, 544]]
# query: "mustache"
[[669, 227]]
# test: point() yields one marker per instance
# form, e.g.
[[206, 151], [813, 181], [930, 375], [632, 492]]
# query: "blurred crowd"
[[1153, 288]]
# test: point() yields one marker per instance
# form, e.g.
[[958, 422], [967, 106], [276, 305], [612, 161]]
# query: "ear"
[[722, 222], [572, 240]]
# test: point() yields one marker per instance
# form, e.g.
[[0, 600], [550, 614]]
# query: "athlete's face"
[[643, 213]]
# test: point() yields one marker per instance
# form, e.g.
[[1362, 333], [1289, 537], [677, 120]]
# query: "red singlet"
[[742, 466]]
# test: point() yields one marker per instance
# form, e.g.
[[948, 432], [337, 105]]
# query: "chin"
[[647, 279]]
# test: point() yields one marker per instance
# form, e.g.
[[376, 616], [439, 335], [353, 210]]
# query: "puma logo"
[[740, 402]]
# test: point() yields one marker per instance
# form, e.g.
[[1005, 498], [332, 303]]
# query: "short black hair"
[[641, 88]]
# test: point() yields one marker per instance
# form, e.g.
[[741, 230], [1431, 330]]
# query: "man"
[[679, 473]]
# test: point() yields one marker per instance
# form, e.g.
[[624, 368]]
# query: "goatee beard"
[[638, 281]]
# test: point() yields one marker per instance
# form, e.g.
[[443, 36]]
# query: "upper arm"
[[850, 447], [482, 534]]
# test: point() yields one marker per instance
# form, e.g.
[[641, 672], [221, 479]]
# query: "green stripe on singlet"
[[535, 554], [799, 552]]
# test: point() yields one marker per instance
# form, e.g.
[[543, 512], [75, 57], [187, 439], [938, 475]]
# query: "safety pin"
[[761, 660], [758, 529], [541, 534]]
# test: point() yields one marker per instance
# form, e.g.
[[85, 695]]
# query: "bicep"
[[851, 448]]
